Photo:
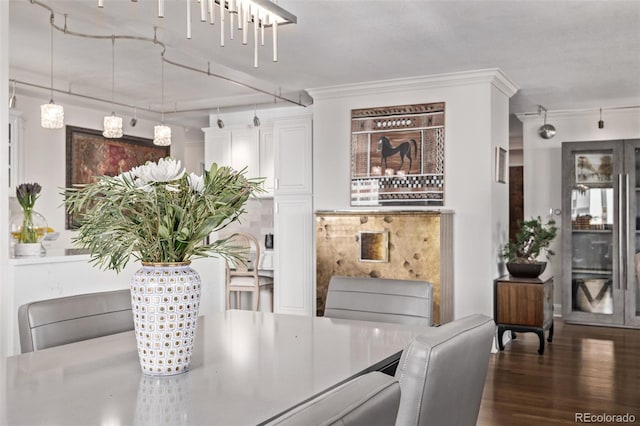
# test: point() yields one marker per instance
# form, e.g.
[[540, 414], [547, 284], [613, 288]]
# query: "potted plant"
[[522, 252], [158, 214], [28, 227]]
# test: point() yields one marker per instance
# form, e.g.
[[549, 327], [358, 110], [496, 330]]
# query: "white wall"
[[543, 162], [4, 143], [476, 120], [44, 153]]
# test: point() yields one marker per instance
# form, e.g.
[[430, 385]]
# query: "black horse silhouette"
[[404, 149]]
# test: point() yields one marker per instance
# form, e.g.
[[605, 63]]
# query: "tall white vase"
[[165, 298]]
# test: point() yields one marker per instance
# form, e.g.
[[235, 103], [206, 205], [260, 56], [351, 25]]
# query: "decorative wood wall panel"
[[420, 248]]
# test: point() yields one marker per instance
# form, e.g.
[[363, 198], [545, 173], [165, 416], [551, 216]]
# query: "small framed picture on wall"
[[501, 165]]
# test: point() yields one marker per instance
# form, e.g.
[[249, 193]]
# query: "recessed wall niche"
[[420, 247]]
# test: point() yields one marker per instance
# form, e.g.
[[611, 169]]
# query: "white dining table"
[[247, 368]]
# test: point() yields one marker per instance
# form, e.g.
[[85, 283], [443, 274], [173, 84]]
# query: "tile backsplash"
[[257, 220]]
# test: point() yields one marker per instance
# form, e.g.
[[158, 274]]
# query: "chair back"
[[379, 299], [368, 400], [246, 244], [47, 323], [442, 373]]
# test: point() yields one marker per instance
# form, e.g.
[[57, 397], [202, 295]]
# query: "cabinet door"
[[15, 147], [245, 150], [293, 262], [292, 141], [217, 147], [632, 223], [267, 160], [593, 252]]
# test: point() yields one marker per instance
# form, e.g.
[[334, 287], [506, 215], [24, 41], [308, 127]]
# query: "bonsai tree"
[[533, 238]]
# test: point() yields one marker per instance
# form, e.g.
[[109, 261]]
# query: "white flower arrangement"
[[157, 213]]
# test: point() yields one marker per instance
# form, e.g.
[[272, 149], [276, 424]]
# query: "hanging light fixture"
[[546, 131], [12, 99], [261, 13], [51, 115], [161, 132], [600, 122], [112, 123]]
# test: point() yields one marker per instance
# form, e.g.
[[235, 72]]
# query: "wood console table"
[[523, 305]]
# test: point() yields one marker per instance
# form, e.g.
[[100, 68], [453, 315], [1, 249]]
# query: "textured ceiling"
[[563, 54]]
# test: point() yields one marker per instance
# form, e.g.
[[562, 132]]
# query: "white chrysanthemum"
[[165, 170], [172, 188], [196, 183]]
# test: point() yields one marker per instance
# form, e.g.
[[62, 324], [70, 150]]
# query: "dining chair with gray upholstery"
[[368, 400], [380, 299], [53, 322], [443, 371]]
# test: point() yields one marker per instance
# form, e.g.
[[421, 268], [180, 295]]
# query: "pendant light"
[[51, 115], [12, 99], [600, 122], [256, 120], [112, 123], [220, 122], [546, 131], [162, 133]]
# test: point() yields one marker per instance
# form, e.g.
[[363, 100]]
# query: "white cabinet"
[[293, 156], [267, 165], [15, 149], [293, 262]]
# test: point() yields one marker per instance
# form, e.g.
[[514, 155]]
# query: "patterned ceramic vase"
[[165, 298]]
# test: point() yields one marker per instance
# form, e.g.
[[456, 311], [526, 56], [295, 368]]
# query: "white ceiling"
[[563, 54]]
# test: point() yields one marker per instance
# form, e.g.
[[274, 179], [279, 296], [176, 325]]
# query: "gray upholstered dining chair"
[[53, 322], [245, 276], [443, 371], [379, 299], [368, 400]]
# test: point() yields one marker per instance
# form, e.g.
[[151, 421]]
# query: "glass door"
[[591, 227], [632, 223]]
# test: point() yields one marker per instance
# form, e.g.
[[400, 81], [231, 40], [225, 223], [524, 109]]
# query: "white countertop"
[[247, 368]]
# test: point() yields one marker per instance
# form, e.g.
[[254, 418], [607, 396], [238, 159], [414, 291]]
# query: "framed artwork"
[[397, 155], [501, 165], [594, 168], [374, 246], [89, 154]]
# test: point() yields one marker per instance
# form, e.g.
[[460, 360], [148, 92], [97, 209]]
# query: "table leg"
[[550, 339]]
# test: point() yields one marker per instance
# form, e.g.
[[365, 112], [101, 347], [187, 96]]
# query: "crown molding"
[[493, 76]]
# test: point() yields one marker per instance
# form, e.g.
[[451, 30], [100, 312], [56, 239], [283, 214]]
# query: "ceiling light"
[[12, 99], [112, 123], [220, 122], [161, 132], [256, 120], [600, 123], [51, 115], [134, 119], [546, 131], [260, 14]]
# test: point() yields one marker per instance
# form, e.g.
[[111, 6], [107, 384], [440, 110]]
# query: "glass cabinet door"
[[591, 240], [632, 223]]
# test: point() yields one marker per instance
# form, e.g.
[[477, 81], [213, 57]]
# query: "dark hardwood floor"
[[585, 369]]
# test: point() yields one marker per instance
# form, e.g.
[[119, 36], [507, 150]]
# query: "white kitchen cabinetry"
[[281, 152]]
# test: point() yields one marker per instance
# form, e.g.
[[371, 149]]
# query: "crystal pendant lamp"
[[161, 132], [51, 115], [112, 123]]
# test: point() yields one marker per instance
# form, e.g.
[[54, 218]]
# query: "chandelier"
[[245, 15]]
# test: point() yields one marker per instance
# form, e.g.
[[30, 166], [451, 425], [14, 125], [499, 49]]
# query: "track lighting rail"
[[65, 29]]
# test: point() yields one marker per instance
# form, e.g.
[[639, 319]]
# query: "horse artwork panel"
[[403, 150], [397, 155]]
